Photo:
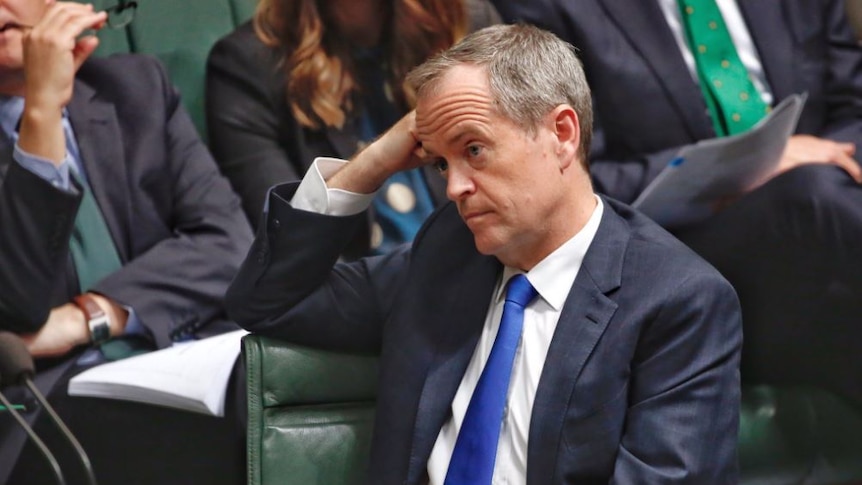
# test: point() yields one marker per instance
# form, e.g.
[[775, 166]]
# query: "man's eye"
[[441, 165], [474, 150]]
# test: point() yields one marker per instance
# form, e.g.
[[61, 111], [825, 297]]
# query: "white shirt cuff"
[[314, 196]]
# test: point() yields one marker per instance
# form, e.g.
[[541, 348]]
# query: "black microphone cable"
[[17, 365], [52, 460]]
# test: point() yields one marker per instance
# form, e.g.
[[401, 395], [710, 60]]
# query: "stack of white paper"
[[192, 376]]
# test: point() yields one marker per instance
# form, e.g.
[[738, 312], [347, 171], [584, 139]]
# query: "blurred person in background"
[[791, 246], [310, 78], [119, 236]]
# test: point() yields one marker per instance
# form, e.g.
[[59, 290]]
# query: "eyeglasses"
[[121, 14]]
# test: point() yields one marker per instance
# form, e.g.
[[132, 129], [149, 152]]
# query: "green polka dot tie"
[[734, 103]]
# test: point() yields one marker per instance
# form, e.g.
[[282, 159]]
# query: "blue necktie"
[[476, 447]]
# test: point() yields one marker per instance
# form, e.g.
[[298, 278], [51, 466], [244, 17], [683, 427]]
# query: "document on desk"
[[704, 175], [190, 375]]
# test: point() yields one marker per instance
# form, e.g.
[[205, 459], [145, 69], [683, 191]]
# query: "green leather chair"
[[180, 33], [311, 413]]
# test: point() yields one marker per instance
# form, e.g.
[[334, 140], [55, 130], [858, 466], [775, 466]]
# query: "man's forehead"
[[461, 76], [462, 97]]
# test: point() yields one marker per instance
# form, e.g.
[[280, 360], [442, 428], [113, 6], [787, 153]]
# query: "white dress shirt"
[[552, 278], [738, 33]]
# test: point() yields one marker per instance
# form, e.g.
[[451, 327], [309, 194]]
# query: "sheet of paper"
[[191, 375], [706, 174]]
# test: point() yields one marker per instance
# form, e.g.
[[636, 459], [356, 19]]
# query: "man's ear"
[[567, 130]]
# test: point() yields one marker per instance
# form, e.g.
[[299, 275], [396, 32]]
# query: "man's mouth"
[[10, 25], [473, 215]]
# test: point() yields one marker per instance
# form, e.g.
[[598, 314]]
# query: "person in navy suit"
[[114, 129], [627, 367], [790, 247]]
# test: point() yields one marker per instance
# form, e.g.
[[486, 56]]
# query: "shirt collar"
[[554, 276]]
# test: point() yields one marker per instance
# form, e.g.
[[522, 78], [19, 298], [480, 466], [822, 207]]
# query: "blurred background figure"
[[309, 78], [119, 236], [790, 247]]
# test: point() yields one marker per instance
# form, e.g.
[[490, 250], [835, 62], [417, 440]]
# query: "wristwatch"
[[97, 319]]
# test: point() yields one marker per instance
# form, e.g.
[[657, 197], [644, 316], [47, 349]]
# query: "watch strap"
[[97, 319]]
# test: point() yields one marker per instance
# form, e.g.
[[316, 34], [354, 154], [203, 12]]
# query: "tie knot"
[[520, 291]]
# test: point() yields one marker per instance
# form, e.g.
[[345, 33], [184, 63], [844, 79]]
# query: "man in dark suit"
[[791, 246], [109, 140], [626, 368]]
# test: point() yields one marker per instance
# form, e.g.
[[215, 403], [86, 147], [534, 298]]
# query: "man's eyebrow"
[[467, 131], [461, 134]]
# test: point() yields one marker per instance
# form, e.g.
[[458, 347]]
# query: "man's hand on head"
[[396, 150], [54, 49]]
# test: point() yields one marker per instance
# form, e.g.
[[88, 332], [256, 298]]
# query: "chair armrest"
[[310, 413]]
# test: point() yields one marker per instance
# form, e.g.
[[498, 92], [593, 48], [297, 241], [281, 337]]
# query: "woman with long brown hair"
[[312, 78]]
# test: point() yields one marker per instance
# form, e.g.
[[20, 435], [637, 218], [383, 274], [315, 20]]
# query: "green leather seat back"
[[111, 41], [181, 34], [798, 435], [310, 414], [242, 10]]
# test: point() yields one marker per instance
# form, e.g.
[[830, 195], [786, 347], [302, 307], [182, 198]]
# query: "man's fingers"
[[83, 48], [851, 166], [69, 20]]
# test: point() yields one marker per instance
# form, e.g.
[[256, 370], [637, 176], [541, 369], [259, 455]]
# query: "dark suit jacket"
[[646, 102], [641, 382], [173, 218], [177, 225], [253, 135]]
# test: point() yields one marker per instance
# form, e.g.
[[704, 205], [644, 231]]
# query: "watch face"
[[97, 320], [100, 330]]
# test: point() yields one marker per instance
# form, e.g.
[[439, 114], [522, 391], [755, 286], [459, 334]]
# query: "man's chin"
[[485, 245], [11, 77]]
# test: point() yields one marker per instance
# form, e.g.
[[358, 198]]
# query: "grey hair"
[[531, 72]]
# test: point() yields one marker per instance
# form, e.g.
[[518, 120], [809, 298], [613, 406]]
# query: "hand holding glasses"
[[119, 16]]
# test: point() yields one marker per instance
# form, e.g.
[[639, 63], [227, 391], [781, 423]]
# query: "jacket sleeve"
[[176, 285], [251, 132], [291, 285], [840, 103], [684, 394], [36, 221]]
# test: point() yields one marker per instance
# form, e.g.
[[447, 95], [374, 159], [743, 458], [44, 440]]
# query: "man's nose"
[[459, 184]]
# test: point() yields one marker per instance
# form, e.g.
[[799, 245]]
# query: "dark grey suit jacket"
[[641, 382], [177, 226], [174, 220]]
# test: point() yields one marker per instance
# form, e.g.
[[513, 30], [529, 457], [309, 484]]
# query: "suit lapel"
[[97, 133], [643, 23], [583, 320], [772, 31], [462, 320]]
